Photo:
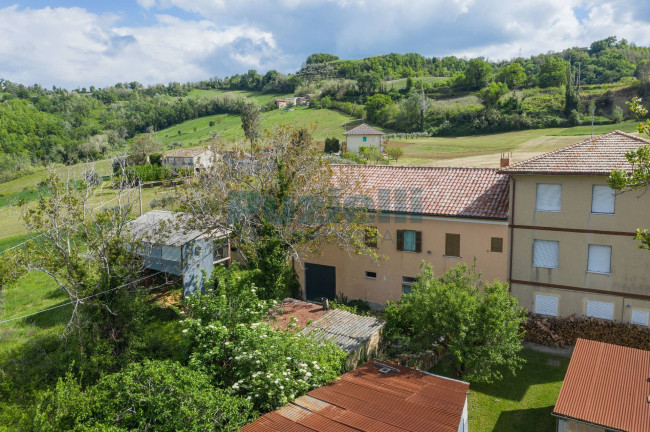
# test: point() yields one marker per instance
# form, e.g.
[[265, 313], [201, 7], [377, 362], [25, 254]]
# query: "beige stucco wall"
[[356, 141], [475, 238], [630, 266], [202, 160]]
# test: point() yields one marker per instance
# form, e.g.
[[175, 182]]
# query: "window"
[[370, 237], [371, 275], [545, 253], [452, 245], [639, 317], [410, 241], [171, 253], [407, 283], [546, 305], [602, 310], [365, 139], [600, 258], [549, 197], [602, 199], [496, 244]]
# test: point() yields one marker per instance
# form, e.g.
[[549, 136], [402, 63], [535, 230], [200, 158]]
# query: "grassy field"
[[228, 127], [485, 150], [399, 84], [520, 403], [261, 98]]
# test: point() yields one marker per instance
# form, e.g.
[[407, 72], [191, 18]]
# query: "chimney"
[[505, 159]]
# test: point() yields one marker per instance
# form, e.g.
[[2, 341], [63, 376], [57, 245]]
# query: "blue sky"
[[81, 43]]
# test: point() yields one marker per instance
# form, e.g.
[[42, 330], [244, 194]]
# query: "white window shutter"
[[603, 199], [546, 305], [545, 253], [639, 317], [602, 310], [600, 259], [549, 197]]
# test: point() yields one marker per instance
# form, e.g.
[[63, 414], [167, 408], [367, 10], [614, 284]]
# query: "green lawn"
[[628, 126], [520, 403], [261, 98], [228, 126]]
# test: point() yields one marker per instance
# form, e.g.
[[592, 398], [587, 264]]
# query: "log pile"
[[560, 332]]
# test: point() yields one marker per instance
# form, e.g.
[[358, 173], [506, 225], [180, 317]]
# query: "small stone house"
[[363, 136], [190, 254], [196, 159]]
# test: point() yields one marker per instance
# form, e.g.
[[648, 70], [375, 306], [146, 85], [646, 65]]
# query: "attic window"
[[371, 275]]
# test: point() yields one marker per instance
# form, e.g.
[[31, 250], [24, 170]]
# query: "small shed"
[[191, 254], [376, 396], [363, 136], [359, 336]]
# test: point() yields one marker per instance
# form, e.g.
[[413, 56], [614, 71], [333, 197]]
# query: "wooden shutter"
[[452, 245], [418, 241], [400, 240], [603, 199], [496, 244], [549, 197]]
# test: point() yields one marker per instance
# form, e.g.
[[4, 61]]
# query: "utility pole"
[[140, 193]]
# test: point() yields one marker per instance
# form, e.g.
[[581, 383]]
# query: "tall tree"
[[639, 177], [251, 120], [478, 73], [477, 326]]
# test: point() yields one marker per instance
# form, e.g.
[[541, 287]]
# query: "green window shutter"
[[452, 245], [365, 139], [400, 240], [418, 241]]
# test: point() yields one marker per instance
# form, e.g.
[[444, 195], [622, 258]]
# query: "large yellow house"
[[442, 216], [572, 237]]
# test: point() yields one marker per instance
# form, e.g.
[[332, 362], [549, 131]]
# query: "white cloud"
[[74, 47]]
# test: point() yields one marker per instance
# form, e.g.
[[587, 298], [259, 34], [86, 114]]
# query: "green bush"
[[156, 159], [332, 145], [153, 395], [617, 115], [353, 157]]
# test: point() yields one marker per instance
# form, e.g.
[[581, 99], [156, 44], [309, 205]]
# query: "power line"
[[79, 300]]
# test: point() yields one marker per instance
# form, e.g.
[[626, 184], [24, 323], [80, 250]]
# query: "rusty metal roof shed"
[[366, 399], [607, 385]]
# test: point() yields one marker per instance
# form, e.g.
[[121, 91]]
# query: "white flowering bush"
[[268, 367]]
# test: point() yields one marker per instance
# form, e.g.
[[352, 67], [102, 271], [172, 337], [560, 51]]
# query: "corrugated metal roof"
[[607, 385], [364, 129], [599, 155], [347, 330], [436, 191], [367, 400], [164, 228]]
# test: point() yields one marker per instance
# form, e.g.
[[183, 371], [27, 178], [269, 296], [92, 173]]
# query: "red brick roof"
[[599, 155], [365, 400], [364, 129], [451, 192], [607, 385]]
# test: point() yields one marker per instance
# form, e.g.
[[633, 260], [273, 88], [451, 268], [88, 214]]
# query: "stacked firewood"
[[560, 332]]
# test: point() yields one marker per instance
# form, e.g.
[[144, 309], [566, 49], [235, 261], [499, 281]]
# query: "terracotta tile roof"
[[599, 155], [364, 129], [607, 385], [365, 400], [186, 152], [451, 192]]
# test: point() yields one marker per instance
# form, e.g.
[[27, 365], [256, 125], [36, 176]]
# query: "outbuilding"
[[169, 247], [363, 136]]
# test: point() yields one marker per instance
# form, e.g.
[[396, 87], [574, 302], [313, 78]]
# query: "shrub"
[[395, 153], [617, 115], [211, 123], [574, 118], [156, 159], [353, 157], [332, 145]]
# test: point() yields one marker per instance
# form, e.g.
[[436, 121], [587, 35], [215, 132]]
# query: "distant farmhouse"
[[606, 388], [363, 135], [442, 216], [377, 396], [573, 248], [196, 159], [282, 103], [168, 247]]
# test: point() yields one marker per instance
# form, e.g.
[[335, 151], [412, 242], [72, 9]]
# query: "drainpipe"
[[512, 232]]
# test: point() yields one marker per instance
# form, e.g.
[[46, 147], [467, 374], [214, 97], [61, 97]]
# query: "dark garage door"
[[320, 281]]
